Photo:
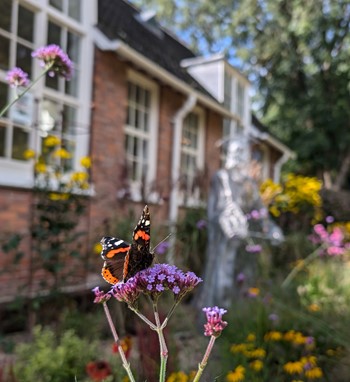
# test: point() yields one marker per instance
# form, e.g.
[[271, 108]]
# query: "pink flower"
[[17, 77], [54, 57], [254, 248], [100, 296], [214, 325]]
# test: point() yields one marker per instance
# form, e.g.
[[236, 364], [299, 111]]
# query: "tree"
[[297, 53]]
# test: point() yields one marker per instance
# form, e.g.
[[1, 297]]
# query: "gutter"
[[175, 169], [124, 50]]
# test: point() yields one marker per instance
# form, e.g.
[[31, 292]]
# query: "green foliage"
[[192, 239], [48, 359]]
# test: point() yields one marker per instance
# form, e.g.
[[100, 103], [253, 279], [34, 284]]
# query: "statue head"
[[237, 153]]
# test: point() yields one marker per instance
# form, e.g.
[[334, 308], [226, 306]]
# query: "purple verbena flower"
[[161, 277], [162, 248], [54, 57], [100, 295], [273, 317], [201, 224], [214, 325], [253, 248], [17, 77], [329, 219], [127, 292], [240, 278]]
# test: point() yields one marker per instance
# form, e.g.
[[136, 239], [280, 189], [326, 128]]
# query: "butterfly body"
[[123, 260]]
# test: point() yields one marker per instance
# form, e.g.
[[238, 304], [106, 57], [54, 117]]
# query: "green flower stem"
[[171, 311], [203, 364], [126, 365], [302, 265], [20, 95], [143, 318], [162, 345]]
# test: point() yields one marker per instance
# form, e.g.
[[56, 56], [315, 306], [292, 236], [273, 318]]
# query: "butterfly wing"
[[113, 252], [139, 256]]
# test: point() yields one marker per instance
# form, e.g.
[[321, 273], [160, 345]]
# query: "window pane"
[[2, 140], [3, 95], [19, 143], [52, 82], [58, 4], [72, 84], [4, 53], [50, 116], [5, 12], [69, 118], [25, 24], [53, 34], [24, 58], [74, 9], [73, 47]]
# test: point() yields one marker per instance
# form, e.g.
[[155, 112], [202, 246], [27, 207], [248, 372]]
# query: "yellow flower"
[[314, 373], [62, 153], [79, 177], [97, 248], [40, 167], [126, 379], [310, 360], [239, 348], [331, 352], [289, 336], [180, 376], [29, 154], [251, 337], [314, 307], [256, 353], [253, 292], [57, 196], [256, 365], [51, 141], [237, 375], [296, 367], [273, 336], [85, 162], [299, 339]]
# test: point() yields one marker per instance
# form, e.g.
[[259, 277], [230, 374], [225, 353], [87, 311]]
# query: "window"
[[192, 155], [53, 106], [16, 45], [140, 133], [227, 91], [71, 8]]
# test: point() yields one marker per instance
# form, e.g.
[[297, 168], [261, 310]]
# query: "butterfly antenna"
[[153, 249]]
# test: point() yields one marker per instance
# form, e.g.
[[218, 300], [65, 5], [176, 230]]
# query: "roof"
[[120, 20]]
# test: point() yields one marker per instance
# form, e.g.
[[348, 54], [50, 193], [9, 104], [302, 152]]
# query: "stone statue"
[[233, 195]]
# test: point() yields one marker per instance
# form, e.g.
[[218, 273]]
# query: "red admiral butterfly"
[[123, 260]]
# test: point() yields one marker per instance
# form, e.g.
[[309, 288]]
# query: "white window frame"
[[151, 136], [186, 198], [20, 173]]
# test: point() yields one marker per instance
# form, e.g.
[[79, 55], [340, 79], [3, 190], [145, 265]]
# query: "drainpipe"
[[278, 166], [175, 169]]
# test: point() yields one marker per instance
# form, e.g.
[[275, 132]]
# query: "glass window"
[[227, 91], [19, 143], [190, 152], [6, 14], [53, 34], [58, 4], [2, 140], [74, 9], [137, 131], [4, 53], [24, 58], [25, 27], [3, 95], [240, 100]]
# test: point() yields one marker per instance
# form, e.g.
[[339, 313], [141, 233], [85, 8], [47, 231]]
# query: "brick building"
[[146, 109]]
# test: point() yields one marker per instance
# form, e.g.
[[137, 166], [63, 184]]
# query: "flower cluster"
[[262, 213], [256, 355], [332, 240], [98, 371], [214, 325], [154, 281], [53, 57], [100, 296], [17, 77], [296, 194]]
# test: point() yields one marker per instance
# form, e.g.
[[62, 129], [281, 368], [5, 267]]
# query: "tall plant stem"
[[302, 265], [143, 318], [20, 95], [203, 363], [162, 344], [126, 365]]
